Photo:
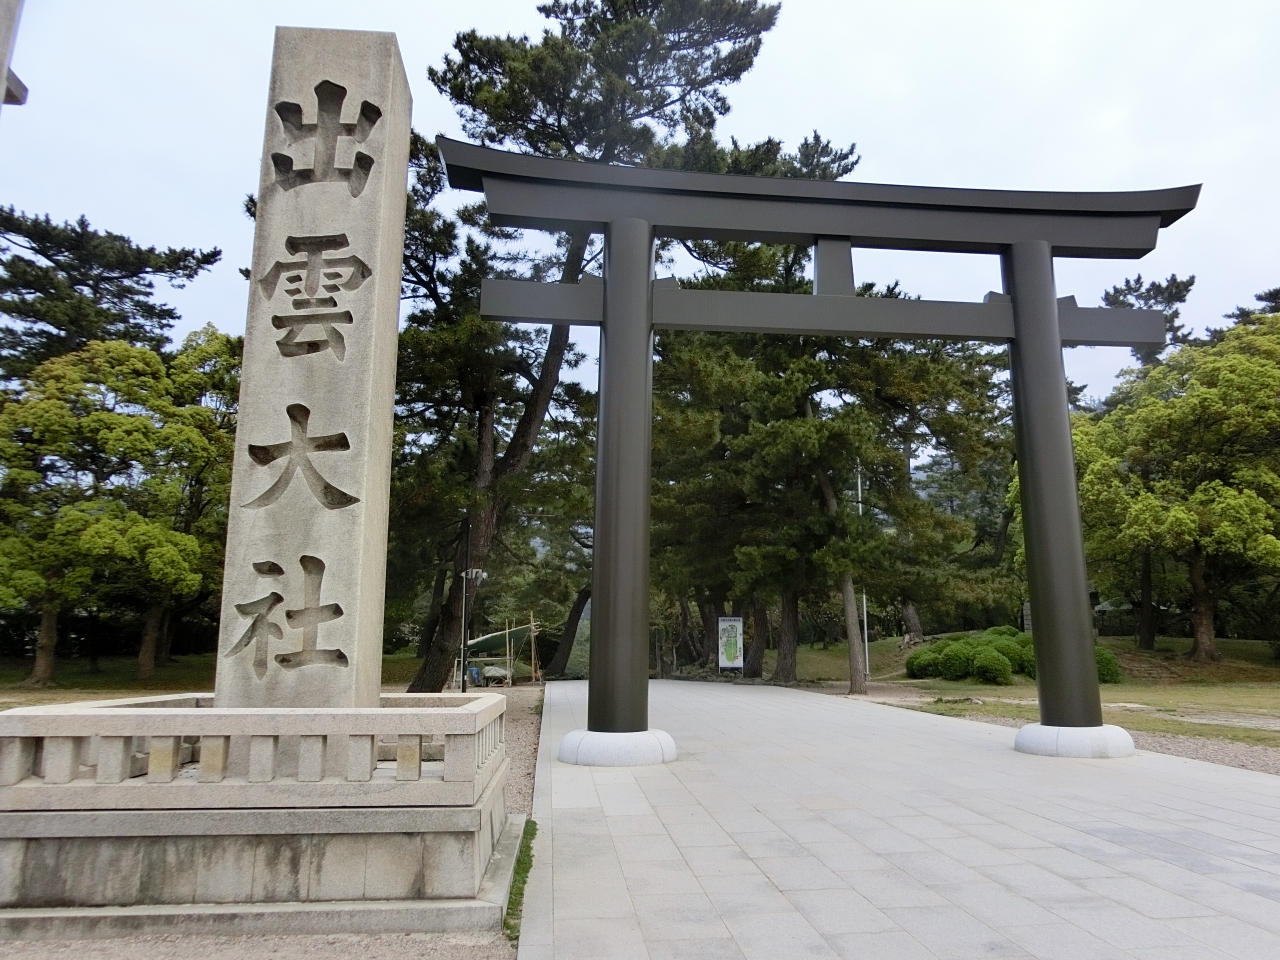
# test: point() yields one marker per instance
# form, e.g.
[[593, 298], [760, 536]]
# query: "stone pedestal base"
[[95, 873], [1096, 743], [591, 748], [482, 912]]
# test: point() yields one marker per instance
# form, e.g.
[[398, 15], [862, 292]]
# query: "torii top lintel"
[[540, 193]]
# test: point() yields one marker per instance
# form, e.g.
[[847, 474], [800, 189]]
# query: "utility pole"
[[866, 644]]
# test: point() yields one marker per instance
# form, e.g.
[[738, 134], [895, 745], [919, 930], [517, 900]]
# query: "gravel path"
[[1246, 756], [524, 720]]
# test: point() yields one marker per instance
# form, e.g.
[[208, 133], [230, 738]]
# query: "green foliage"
[[956, 661], [116, 467], [65, 285], [991, 656], [519, 878], [494, 453], [1108, 665], [1167, 296], [610, 81], [991, 666], [1009, 648], [1187, 463], [923, 663]]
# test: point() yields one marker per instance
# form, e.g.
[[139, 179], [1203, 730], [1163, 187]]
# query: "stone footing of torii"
[[296, 798], [635, 207]]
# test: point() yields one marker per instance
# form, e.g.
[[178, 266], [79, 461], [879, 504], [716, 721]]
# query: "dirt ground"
[[524, 720]]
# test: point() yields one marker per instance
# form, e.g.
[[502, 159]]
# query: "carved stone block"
[[303, 587]]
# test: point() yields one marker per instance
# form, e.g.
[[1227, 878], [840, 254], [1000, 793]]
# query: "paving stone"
[[801, 825]]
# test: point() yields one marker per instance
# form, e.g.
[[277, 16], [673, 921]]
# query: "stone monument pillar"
[[303, 588]]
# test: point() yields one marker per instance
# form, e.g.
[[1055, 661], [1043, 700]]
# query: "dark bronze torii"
[[633, 206]]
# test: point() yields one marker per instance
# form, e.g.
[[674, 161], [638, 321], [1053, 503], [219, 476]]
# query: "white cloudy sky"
[[147, 116]]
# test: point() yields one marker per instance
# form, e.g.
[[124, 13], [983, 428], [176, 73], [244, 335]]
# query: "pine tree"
[[607, 82], [64, 285]]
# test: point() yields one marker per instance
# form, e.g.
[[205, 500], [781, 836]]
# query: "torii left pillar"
[[618, 733]]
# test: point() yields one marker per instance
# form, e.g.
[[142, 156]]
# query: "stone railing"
[[182, 752]]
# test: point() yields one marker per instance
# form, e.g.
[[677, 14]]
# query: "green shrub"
[[1024, 639], [1108, 666], [1010, 650], [956, 662], [1028, 665], [992, 666], [1003, 631], [922, 663]]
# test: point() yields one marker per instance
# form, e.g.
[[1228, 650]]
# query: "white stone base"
[[591, 748], [1095, 743], [482, 913]]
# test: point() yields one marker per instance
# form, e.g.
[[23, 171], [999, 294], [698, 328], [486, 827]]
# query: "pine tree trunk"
[[1146, 606], [857, 669], [688, 634], [432, 623], [711, 610], [857, 672], [1203, 645], [564, 648], [753, 666], [788, 639], [46, 644], [151, 626], [911, 621], [437, 664]]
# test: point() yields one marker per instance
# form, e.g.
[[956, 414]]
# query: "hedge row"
[[992, 656]]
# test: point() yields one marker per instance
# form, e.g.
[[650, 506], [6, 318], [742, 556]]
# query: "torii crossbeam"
[[632, 207]]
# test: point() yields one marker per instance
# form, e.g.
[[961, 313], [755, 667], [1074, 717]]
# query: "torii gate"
[[633, 206]]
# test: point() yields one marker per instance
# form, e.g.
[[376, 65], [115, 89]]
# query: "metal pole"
[[618, 695], [466, 575], [866, 642], [1066, 672]]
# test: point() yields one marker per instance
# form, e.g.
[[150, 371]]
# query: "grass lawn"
[[118, 677], [1163, 692]]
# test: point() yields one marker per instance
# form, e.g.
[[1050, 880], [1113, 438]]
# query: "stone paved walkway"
[[801, 825]]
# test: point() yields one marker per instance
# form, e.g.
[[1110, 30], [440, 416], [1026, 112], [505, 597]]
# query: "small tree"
[[113, 464], [1188, 463]]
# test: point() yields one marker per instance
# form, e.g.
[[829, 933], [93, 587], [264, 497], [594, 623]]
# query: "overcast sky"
[[147, 117]]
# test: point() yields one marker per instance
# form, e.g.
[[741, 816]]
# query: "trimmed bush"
[[992, 666], [1108, 666], [1003, 631], [956, 662], [1024, 639], [1028, 666], [1010, 650], [923, 663]]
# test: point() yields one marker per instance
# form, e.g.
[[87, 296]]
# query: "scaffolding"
[[497, 653]]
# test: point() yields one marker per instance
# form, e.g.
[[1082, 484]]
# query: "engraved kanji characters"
[[307, 618], [261, 631], [312, 284], [297, 452], [329, 139]]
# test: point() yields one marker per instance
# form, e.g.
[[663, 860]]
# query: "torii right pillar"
[[1066, 669]]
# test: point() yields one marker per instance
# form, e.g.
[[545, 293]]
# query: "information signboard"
[[730, 643]]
